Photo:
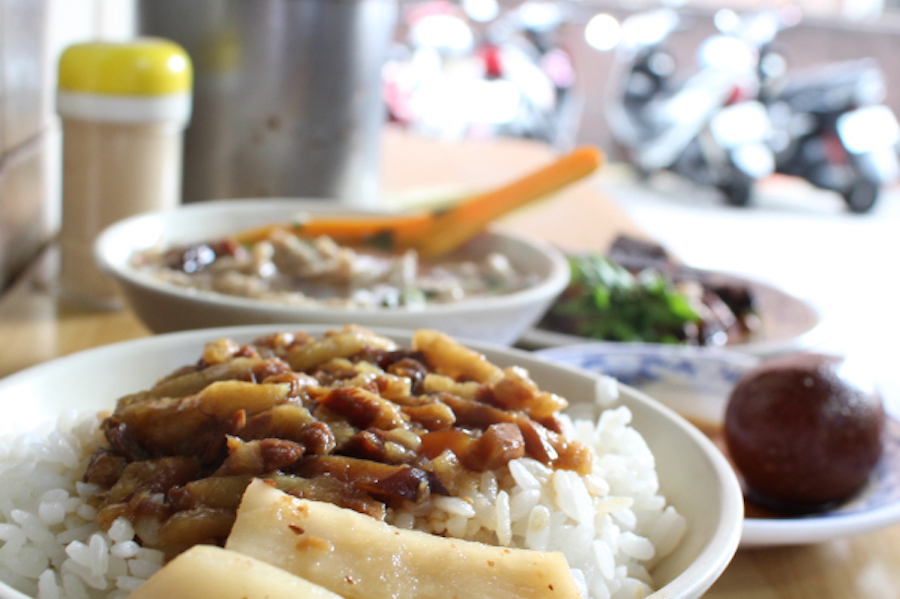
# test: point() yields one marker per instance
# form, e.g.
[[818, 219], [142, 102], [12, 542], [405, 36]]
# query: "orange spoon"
[[434, 234]]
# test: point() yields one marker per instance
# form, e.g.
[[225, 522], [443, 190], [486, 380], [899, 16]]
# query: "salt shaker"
[[124, 107]]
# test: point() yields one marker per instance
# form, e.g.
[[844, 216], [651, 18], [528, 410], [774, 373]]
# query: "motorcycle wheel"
[[738, 191], [862, 195]]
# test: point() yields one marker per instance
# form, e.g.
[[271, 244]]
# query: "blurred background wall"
[[26, 138], [32, 35], [831, 30], [34, 32]]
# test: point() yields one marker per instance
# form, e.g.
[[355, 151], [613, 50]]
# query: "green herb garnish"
[[606, 301]]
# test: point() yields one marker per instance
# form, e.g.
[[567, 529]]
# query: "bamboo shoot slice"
[[206, 571], [360, 557]]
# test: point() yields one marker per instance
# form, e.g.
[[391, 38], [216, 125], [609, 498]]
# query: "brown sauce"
[[348, 418]]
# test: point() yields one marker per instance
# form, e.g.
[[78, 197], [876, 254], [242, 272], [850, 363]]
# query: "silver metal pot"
[[287, 94]]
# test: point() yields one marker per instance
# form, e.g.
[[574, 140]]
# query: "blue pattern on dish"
[[709, 371], [884, 487]]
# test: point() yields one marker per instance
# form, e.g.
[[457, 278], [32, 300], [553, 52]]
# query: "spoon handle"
[[453, 227]]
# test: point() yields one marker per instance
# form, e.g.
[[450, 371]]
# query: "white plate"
[[693, 475], [696, 382], [789, 323]]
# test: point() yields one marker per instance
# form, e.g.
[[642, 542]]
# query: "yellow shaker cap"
[[141, 67]]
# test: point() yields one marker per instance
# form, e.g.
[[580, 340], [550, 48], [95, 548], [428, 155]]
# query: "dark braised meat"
[[194, 258], [349, 418]]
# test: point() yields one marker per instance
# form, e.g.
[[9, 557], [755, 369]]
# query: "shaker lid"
[[141, 67], [139, 81]]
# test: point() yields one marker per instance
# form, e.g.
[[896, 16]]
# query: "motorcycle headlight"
[[661, 64]]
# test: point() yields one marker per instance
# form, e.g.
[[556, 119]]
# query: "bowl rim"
[[711, 560], [547, 286]]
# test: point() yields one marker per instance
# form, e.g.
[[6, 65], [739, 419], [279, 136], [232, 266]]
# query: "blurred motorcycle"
[[708, 127], [829, 126], [456, 78], [529, 35]]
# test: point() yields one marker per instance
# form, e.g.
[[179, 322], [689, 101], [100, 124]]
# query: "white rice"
[[612, 525], [50, 544]]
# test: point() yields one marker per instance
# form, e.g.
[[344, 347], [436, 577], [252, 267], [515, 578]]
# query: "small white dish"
[[696, 383], [788, 323], [166, 307], [693, 475]]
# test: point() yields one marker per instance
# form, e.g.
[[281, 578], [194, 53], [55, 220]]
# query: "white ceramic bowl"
[[693, 475], [165, 307]]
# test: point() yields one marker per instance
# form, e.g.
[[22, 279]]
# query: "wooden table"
[[35, 326]]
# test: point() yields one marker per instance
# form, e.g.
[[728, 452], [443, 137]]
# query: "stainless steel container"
[[287, 94]]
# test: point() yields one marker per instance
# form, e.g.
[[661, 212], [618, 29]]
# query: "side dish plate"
[[696, 383], [788, 322]]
